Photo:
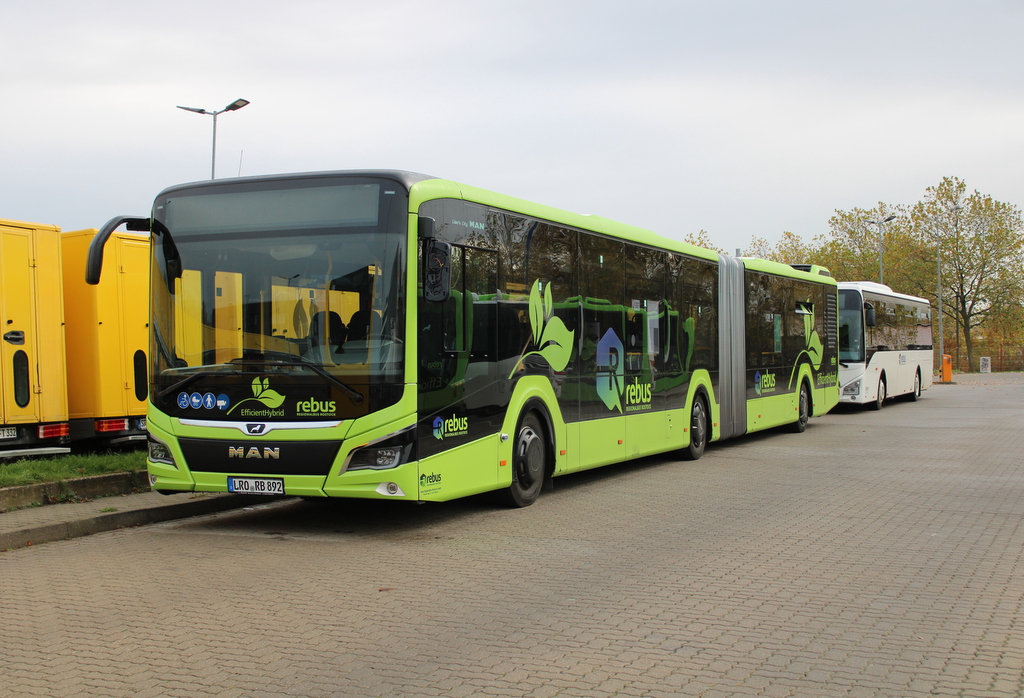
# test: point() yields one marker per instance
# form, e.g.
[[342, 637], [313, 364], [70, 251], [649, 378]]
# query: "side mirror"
[[437, 273], [425, 228], [869, 315], [94, 261]]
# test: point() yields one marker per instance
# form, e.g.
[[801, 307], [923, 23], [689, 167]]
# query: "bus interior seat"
[[336, 333], [359, 325]]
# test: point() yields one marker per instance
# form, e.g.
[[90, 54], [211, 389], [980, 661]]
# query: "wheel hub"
[[529, 457]]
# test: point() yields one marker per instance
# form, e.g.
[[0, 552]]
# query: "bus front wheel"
[[698, 429], [529, 462], [880, 397]]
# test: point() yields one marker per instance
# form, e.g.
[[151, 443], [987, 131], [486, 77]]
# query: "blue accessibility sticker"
[[183, 400], [209, 401], [223, 401], [196, 400]]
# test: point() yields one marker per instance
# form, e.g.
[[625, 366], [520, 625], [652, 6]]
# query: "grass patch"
[[30, 471]]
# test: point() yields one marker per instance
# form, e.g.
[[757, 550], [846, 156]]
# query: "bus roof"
[[442, 188], [879, 289], [426, 187]]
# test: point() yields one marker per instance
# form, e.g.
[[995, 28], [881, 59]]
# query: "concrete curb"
[[63, 530], [77, 488]]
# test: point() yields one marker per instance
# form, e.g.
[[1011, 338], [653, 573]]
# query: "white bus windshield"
[[851, 326]]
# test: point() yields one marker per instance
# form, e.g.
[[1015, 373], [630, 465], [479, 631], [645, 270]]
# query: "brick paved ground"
[[878, 554]]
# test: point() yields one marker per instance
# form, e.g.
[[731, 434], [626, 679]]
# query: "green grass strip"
[[30, 471]]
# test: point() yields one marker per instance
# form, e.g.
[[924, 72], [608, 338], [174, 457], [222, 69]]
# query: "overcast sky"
[[741, 118]]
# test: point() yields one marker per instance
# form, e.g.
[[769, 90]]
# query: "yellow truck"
[[33, 367], [107, 331]]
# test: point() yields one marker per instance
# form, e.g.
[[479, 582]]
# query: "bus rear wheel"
[[698, 430], [803, 410], [529, 462], [916, 394]]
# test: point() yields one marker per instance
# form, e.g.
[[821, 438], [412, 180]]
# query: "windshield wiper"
[[291, 360]]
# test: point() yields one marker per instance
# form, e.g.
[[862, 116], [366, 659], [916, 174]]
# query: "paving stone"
[[877, 554]]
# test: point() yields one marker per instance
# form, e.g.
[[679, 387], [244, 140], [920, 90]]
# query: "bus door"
[[602, 352], [905, 335], [647, 428], [460, 394]]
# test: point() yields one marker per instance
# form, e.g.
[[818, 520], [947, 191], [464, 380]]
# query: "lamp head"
[[236, 105]]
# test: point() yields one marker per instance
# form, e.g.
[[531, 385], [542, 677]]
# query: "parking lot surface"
[[877, 554]]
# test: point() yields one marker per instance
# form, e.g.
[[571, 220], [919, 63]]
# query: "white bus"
[[885, 344]]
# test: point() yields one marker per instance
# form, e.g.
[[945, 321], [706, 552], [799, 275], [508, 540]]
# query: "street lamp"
[[955, 210], [234, 106], [879, 224]]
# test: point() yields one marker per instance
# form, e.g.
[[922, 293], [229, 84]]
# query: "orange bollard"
[[946, 372]]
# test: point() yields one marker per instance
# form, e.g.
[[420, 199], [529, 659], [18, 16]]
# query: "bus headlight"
[[852, 388], [382, 454], [159, 452]]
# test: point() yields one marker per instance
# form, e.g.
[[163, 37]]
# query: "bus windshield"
[[263, 290], [851, 326]]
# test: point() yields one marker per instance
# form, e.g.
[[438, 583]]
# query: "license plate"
[[8, 433], [256, 485]]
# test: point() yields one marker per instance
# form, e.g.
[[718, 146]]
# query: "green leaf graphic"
[[261, 393], [553, 339], [814, 349], [536, 311], [271, 398], [556, 355], [812, 341]]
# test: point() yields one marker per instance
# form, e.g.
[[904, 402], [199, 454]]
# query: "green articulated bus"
[[384, 334]]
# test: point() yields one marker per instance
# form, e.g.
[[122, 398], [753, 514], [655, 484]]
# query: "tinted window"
[[22, 387]]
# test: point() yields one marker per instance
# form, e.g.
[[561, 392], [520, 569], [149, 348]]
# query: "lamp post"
[[879, 224], [234, 106], [938, 292], [955, 210]]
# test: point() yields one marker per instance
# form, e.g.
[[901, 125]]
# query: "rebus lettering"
[[312, 406], [638, 393]]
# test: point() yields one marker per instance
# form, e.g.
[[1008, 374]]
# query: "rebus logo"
[[453, 426], [764, 382]]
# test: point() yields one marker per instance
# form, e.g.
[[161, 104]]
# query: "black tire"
[[698, 429], [529, 462], [803, 409], [880, 398], [915, 395]]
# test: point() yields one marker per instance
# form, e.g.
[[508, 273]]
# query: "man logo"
[[254, 452], [255, 429]]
